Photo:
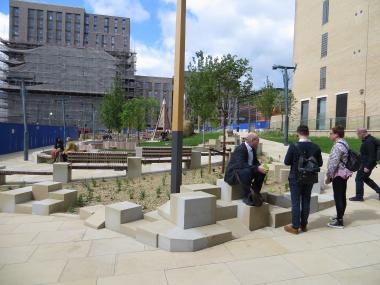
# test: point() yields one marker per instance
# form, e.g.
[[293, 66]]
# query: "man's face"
[[360, 135], [254, 142]]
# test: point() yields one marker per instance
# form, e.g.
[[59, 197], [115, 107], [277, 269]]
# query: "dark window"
[[95, 22], [76, 38], [322, 81], [321, 113], [68, 37], [304, 112], [86, 29], [113, 42], [49, 36], [59, 16], [341, 110], [325, 13], [106, 25], [126, 42], [40, 25], [58, 24], [77, 18], [324, 44], [116, 23], [87, 19], [68, 22], [104, 40], [124, 25], [16, 12], [15, 23], [58, 37], [50, 15], [85, 39]]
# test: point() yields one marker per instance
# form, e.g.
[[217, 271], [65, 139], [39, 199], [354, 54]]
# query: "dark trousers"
[[300, 195], [248, 178], [339, 187], [361, 178]]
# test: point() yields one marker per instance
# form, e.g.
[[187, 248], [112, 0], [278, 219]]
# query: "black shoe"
[[337, 224], [356, 199], [333, 219]]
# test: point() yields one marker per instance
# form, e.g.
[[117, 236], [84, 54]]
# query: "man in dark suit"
[[244, 168]]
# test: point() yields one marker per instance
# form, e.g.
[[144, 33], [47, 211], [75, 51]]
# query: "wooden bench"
[[5, 172], [162, 155], [117, 160]]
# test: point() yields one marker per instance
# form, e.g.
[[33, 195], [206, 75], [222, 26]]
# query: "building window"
[[113, 42], [87, 19], [95, 23], [97, 41], [126, 42], [68, 38], [15, 23], [85, 40], [321, 113], [31, 17], [77, 23], [124, 25], [116, 23], [325, 13], [76, 38], [40, 25], [304, 112], [16, 12], [106, 25], [58, 27], [68, 24], [324, 43], [58, 37], [104, 40], [322, 81]]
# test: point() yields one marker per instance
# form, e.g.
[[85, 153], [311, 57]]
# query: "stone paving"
[[59, 249]]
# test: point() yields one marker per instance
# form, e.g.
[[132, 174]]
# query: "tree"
[[136, 112], [199, 86], [266, 100], [112, 106], [280, 105]]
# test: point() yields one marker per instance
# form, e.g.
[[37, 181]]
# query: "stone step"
[[86, 212], [47, 206], [228, 192], [205, 187], [24, 208], [225, 210], [236, 226], [279, 217], [149, 232], [96, 220], [41, 190], [121, 213], [130, 229], [253, 217], [164, 211], [68, 196], [9, 199], [325, 201], [152, 216]]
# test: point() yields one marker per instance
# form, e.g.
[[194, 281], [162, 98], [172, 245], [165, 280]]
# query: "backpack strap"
[[348, 153]]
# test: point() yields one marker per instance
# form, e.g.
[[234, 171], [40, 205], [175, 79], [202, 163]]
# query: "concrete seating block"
[[121, 213], [279, 217], [24, 208], [86, 212], [280, 200], [313, 201], [215, 234], [284, 175], [130, 229], [96, 221], [41, 190], [47, 206], [321, 179], [196, 159], [61, 172], [180, 240], [253, 217], [152, 216], [236, 226], [325, 201], [205, 187], [164, 211], [9, 199], [229, 192], [225, 210], [68, 196], [139, 151], [134, 167], [148, 233], [317, 188], [277, 168], [193, 209], [3, 180]]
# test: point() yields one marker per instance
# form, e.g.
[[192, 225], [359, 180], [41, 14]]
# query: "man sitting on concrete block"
[[305, 160], [244, 168]]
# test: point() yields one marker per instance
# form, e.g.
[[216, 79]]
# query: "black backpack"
[[353, 159], [307, 167]]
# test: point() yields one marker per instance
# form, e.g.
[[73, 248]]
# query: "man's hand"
[[366, 170], [262, 169]]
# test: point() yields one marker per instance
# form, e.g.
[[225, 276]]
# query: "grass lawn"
[[324, 142], [193, 140]]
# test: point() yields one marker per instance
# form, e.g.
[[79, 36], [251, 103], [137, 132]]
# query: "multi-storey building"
[[337, 58], [74, 57]]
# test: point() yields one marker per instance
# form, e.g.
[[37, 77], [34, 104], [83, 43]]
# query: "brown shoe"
[[290, 229], [304, 229]]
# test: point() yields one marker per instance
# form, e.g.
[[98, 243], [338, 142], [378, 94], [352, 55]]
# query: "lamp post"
[[285, 76]]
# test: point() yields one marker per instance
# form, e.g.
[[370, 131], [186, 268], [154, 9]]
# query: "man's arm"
[[319, 157], [289, 155], [371, 158]]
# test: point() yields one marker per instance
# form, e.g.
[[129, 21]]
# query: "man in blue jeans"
[[300, 192]]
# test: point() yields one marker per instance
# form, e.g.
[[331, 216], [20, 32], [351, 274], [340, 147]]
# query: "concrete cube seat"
[[148, 233], [96, 220], [193, 209], [205, 187], [86, 212], [229, 192], [68, 196], [47, 206], [9, 199], [153, 216], [225, 210], [41, 190], [279, 217], [253, 218], [276, 199], [130, 229], [24, 208], [164, 211], [121, 213], [313, 201], [284, 175], [236, 226]]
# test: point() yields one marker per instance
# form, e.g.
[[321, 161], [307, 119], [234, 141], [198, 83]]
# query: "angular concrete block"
[[96, 221], [24, 208], [229, 192], [215, 234], [134, 167], [180, 240], [236, 226], [86, 212], [280, 200], [41, 190], [225, 210], [284, 175], [148, 233], [205, 187], [152, 216], [193, 209], [277, 168], [196, 159], [68, 196], [253, 217], [325, 201], [130, 229], [164, 211], [279, 217], [61, 172], [47, 206], [121, 213], [313, 201], [9, 199]]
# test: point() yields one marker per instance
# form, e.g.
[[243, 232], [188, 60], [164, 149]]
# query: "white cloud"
[[4, 25], [122, 8], [260, 30]]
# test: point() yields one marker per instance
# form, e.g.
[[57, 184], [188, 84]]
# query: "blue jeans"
[[248, 178], [361, 178], [300, 195]]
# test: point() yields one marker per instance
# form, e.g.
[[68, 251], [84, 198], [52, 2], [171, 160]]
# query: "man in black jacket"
[[245, 167], [300, 192], [367, 164]]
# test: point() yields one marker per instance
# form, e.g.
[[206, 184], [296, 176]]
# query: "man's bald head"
[[252, 139], [361, 133]]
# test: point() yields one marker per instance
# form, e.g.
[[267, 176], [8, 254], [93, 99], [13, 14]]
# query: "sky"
[[259, 30]]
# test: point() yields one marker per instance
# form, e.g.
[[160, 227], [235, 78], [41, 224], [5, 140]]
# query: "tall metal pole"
[[286, 128], [93, 122], [178, 93], [64, 119], [26, 134]]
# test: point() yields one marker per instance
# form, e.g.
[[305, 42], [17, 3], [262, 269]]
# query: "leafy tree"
[[112, 106], [267, 100]]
